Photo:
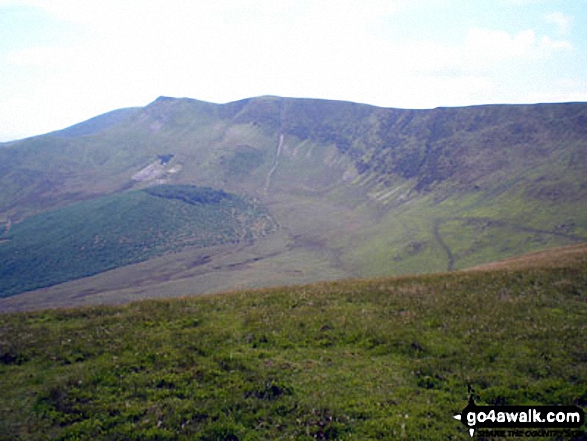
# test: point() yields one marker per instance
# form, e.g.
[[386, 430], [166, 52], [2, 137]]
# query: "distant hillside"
[[355, 190], [90, 237], [377, 359], [96, 124]]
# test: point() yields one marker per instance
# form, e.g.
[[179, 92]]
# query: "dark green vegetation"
[[366, 359], [89, 237], [356, 190], [195, 196]]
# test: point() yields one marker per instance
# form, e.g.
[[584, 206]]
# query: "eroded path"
[[495, 223], [275, 163], [445, 247]]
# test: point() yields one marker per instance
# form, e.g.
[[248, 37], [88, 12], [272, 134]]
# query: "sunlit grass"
[[365, 359]]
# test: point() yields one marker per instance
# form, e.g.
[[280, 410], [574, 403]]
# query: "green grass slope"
[[388, 358], [90, 237]]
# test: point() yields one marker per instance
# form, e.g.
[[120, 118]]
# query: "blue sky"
[[65, 61]]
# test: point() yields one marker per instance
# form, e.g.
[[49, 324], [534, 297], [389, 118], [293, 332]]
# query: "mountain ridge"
[[356, 190], [114, 115]]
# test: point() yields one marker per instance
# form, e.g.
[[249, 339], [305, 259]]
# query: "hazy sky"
[[65, 61]]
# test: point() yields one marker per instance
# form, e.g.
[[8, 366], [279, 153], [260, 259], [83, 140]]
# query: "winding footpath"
[[445, 247]]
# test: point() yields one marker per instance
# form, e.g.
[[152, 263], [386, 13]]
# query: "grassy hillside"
[[357, 191], [365, 359], [96, 124], [90, 237]]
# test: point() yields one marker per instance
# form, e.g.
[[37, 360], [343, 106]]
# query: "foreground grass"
[[372, 359]]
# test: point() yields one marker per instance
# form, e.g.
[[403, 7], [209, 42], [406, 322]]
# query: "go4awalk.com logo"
[[521, 420]]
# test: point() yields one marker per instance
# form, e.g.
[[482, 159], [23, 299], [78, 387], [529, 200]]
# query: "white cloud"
[[562, 21], [128, 52], [528, 2], [562, 90], [487, 47], [52, 56], [425, 91]]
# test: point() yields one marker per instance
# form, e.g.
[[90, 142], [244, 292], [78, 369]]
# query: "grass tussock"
[[369, 359]]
